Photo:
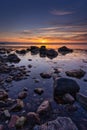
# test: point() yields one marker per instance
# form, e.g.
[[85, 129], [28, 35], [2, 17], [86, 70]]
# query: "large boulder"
[[51, 53], [61, 123], [13, 58], [65, 85], [76, 73], [64, 50]]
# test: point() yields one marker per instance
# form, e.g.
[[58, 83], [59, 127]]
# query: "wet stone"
[[38, 91], [22, 95], [76, 73]]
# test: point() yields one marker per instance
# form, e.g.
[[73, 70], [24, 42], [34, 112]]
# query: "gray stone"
[[82, 99], [68, 98], [44, 107], [76, 73], [65, 85], [61, 123]]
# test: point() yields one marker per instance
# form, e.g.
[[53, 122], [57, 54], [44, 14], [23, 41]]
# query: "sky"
[[43, 21]]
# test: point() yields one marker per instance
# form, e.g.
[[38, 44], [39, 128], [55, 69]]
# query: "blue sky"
[[43, 20]]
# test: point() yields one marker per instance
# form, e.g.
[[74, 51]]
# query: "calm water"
[[74, 46], [63, 63]]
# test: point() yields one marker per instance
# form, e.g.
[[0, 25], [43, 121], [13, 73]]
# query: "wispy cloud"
[[60, 12]]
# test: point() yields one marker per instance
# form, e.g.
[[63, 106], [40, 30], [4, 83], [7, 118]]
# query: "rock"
[[20, 122], [13, 121], [64, 50], [33, 118], [21, 51], [71, 108], [3, 94], [51, 53], [38, 91], [82, 99], [34, 50], [17, 106], [1, 127], [43, 51], [45, 75], [61, 123], [7, 114], [9, 79], [22, 95], [2, 104], [85, 80], [37, 80], [68, 98], [65, 85], [13, 58], [29, 66], [30, 59], [76, 73], [44, 107]]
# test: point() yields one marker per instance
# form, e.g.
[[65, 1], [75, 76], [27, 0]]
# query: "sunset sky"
[[43, 21]]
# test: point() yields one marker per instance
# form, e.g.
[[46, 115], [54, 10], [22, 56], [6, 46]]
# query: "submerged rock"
[[64, 50], [44, 107], [76, 73], [61, 123], [82, 99], [45, 75], [13, 58], [63, 86]]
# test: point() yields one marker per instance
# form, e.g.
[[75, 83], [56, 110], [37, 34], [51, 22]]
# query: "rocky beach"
[[43, 88]]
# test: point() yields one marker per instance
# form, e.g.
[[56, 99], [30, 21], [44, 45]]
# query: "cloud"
[[60, 12]]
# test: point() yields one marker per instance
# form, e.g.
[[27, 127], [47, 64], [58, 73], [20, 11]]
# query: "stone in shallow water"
[[64, 50], [3, 94], [61, 123], [13, 58], [44, 107], [20, 122], [68, 98], [51, 53], [33, 118], [45, 75], [65, 85], [13, 120], [82, 99], [38, 91], [76, 73], [22, 95], [17, 106]]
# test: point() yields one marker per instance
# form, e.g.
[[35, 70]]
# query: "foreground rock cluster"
[[65, 91]]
